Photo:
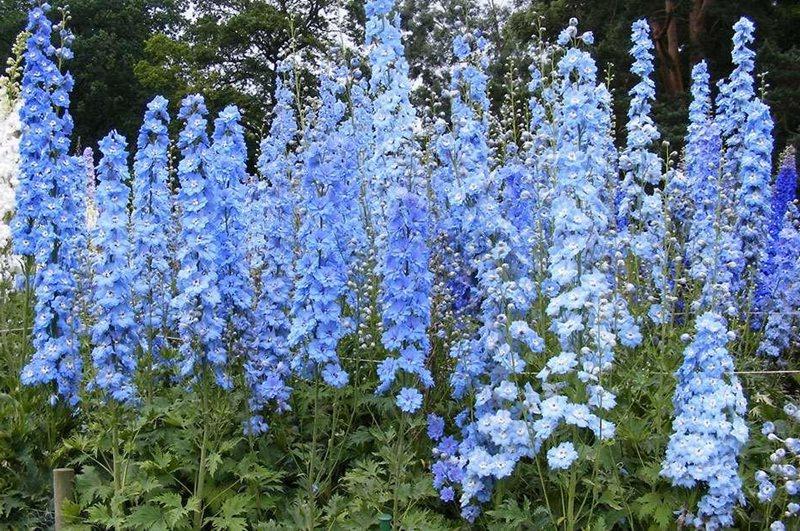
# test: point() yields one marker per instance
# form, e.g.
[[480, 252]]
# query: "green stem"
[[201, 472]]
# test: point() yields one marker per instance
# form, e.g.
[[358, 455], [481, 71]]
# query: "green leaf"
[[657, 507], [150, 517]]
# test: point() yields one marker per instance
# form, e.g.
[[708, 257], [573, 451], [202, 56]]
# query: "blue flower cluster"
[[405, 296], [227, 158], [115, 330], [268, 365], [779, 485], [641, 205], [784, 191], [197, 304], [709, 429], [713, 251], [151, 218], [48, 223], [322, 268], [783, 312]]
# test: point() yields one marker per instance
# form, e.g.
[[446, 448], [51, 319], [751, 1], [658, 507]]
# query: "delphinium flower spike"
[[713, 250], [405, 277], [641, 205], [48, 222], [784, 191], [227, 159], [317, 323], [709, 430], [493, 436], [115, 332], [151, 219], [783, 313], [268, 366], [200, 325]]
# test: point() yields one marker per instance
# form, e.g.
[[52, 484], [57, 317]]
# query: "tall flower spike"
[[784, 192], [114, 333], [151, 219], [783, 312], [709, 429], [713, 250], [197, 303], [754, 194], [321, 271], [268, 366], [406, 279], [393, 116], [588, 314], [48, 222], [228, 167], [493, 434], [641, 205]]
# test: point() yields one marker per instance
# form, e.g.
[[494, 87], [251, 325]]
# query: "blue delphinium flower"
[[151, 219], [778, 484], [114, 333], [317, 323], [754, 193], [392, 115], [736, 93], [784, 190], [561, 456], [493, 436], [409, 400], [40, 76], [709, 429], [48, 222], [739, 113], [713, 250], [197, 303], [783, 193], [405, 291], [268, 366], [641, 205], [227, 162], [588, 313], [406, 281], [782, 313]]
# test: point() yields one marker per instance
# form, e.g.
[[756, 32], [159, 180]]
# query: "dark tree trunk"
[[697, 26], [665, 37]]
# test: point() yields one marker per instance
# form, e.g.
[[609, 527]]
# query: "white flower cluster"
[[9, 168]]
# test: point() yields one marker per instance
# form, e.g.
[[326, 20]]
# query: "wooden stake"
[[63, 483]]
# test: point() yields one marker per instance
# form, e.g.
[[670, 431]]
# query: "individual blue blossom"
[[709, 429], [197, 303], [227, 162], [115, 330], [409, 400], [151, 219], [562, 456], [48, 223], [268, 366]]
